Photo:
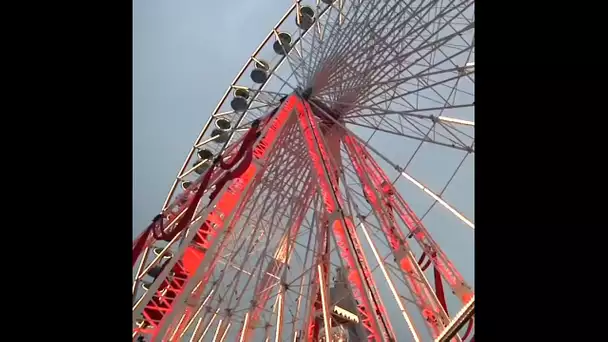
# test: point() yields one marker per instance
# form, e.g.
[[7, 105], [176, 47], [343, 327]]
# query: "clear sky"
[[186, 53]]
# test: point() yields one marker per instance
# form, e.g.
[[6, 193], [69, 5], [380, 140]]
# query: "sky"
[[185, 54]]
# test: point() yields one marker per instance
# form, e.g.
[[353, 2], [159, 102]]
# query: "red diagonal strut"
[[342, 227], [423, 294], [187, 266], [394, 202]]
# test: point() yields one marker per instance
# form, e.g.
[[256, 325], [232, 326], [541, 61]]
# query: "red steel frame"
[[343, 230], [188, 276], [422, 292], [159, 311], [189, 311], [392, 201], [383, 198], [260, 153], [282, 255]]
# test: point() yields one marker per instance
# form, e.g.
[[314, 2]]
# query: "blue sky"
[[185, 53]]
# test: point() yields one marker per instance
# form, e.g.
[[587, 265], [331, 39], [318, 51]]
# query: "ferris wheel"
[[329, 197]]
